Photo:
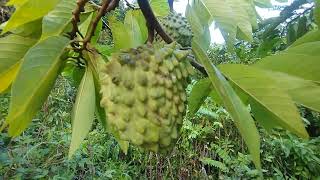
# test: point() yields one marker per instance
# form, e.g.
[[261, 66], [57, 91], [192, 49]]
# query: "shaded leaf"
[[34, 81], [83, 111], [238, 111], [96, 62], [32, 29], [317, 12], [199, 93]]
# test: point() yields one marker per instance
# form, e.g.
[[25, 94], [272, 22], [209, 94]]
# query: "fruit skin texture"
[[178, 28], [143, 93]]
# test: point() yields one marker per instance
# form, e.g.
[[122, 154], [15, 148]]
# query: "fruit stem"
[[152, 22]]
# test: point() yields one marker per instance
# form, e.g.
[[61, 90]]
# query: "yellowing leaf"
[[16, 3], [12, 50], [29, 11], [34, 81], [7, 77], [83, 111]]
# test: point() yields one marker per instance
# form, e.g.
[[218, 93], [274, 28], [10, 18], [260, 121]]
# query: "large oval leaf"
[[34, 81], [57, 20], [83, 111], [302, 61], [200, 91], [29, 11], [238, 111], [12, 50], [265, 92], [302, 91]]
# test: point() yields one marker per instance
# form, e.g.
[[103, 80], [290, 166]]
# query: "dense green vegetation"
[[252, 105], [42, 150]]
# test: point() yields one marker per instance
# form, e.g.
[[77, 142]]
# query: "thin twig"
[[106, 7], [197, 65], [152, 21], [131, 6], [76, 18]]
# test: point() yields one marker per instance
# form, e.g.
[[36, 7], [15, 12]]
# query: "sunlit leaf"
[[199, 25], [160, 7], [12, 50], [29, 11], [233, 17], [34, 81]]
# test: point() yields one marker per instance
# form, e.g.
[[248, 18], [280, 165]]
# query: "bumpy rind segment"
[[178, 28], [144, 94]]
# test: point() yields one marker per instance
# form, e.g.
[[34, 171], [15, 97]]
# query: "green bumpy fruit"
[[143, 93], [178, 28]]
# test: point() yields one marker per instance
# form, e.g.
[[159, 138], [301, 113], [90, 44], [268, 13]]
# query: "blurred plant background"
[[209, 146]]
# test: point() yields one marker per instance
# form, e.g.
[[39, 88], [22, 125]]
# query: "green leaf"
[[84, 26], [199, 26], [96, 62], [29, 11], [302, 26], [292, 33], [215, 163], [56, 21], [83, 111], [160, 7], [133, 28], [34, 81], [238, 111], [317, 12], [199, 93], [138, 16], [233, 17], [32, 29], [264, 90], [12, 50], [311, 36], [302, 61], [302, 91], [263, 3], [16, 2], [127, 34]]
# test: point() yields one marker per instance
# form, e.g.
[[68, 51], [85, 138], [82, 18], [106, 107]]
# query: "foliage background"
[[209, 146]]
